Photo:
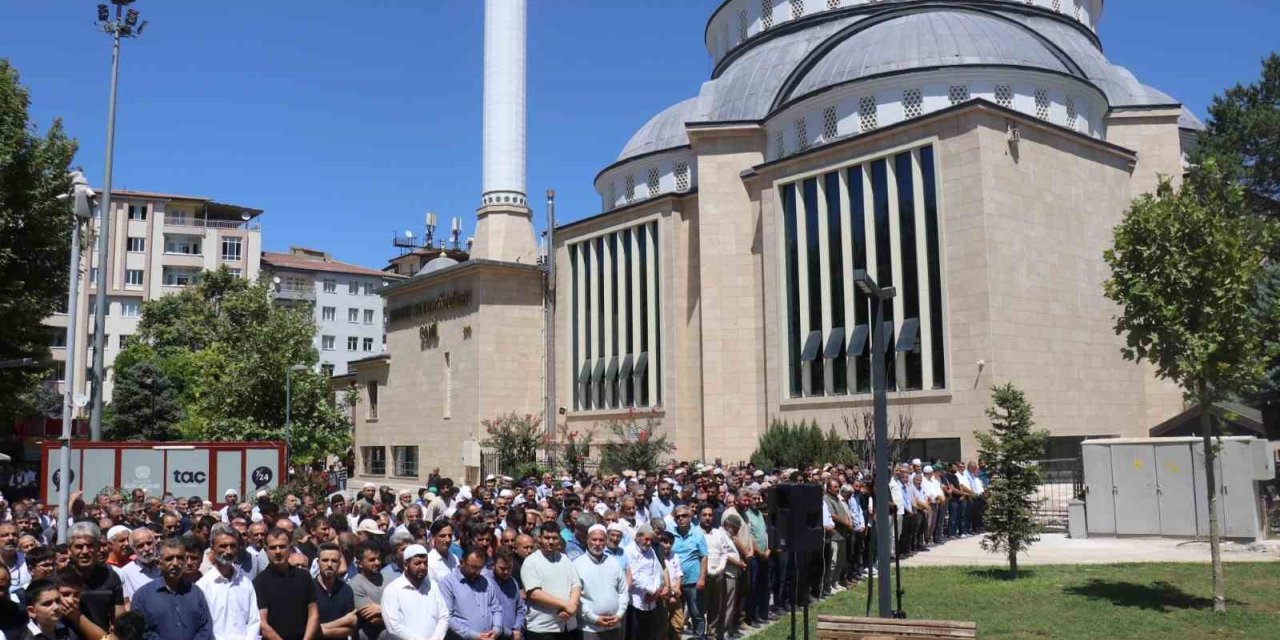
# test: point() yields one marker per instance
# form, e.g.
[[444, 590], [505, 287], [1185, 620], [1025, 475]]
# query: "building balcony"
[[305, 294], [203, 223]]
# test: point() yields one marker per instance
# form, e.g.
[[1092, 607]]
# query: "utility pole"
[[123, 26], [81, 209], [549, 330]]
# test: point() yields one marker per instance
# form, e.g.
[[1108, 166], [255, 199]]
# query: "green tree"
[[144, 404], [226, 348], [635, 444], [515, 438], [1009, 452], [800, 445], [1187, 268], [35, 235], [1243, 134]]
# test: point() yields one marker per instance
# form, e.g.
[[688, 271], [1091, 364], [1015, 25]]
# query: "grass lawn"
[[1128, 601]]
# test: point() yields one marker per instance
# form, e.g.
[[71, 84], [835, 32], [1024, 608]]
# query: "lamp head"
[[103, 13]]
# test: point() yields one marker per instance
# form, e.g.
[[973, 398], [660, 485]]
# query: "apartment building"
[[343, 297], [159, 244]]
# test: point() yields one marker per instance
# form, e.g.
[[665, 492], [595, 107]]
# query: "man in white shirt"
[[412, 607], [978, 503], [644, 619], [230, 497], [233, 603], [724, 565], [145, 566], [440, 561]]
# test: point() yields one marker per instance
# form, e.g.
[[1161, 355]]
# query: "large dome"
[[663, 131], [928, 40]]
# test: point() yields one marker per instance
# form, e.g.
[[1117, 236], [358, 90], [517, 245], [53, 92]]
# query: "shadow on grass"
[[997, 573], [1158, 596]]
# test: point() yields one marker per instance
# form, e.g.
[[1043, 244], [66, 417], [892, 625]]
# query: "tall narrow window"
[[779, 144], [654, 182], [829, 124], [372, 391], [802, 134], [958, 93], [631, 188], [1004, 96], [867, 112], [912, 103], [797, 9], [766, 14], [448, 387], [1042, 104], [743, 23], [1071, 113], [682, 176]]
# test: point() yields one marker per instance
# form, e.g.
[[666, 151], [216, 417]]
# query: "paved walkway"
[[1057, 548]]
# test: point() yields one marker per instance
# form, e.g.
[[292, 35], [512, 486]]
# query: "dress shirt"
[[439, 567], [473, 606], [895, 494], [181, 614], [916, 494], [827, 521], [646, 576], [513, 608], [974, 483], [691, 548], [414, 613], [855, 511], [573, 548], [660, 509], [720, 549], [604, 591], [233, 605]]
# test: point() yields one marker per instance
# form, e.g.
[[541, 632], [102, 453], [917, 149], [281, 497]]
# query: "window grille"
[[797, 9], [1071, 113], [682, 176], [766, 14], [653, 182], [1004, 96], [742, 25], [802, 134], [833, 4], [867, 113], [779, 145], [631, 189], [1078, 12], [912, 103], [1042, 104], [958, 93], [1057, 5], [830, 125]]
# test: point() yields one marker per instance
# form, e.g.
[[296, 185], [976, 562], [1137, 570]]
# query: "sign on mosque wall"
[[442, 302]]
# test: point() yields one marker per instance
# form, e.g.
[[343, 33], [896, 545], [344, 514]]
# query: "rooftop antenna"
[[431, 228], [456, 233]]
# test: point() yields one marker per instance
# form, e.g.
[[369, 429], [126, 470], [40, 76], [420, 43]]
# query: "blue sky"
[[346, 121]]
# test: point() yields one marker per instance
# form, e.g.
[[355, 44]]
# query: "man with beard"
[[662, 504], [233, 604], [509, 594], [103, 599], [144, 567], [475, 613], [286, 600], [366, 588], [411, 606], [14, 560], [524, 547], [604, 588], [171, 525], [335, 601], [117, 545], [173, 608]]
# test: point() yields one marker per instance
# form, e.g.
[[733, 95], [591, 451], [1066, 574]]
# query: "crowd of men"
[[687, 551]]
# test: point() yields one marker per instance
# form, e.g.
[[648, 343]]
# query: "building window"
[[183, 245], [912, 103], [93, 276], [779, 144], [231, 249], [1004, 96], [802, 134], [830, 124], [824, 312], [631, 188], [1042, 104], [366, 345], [326, 343], [374, 460], [236, 271], [136, 245], [867, 112], [958, 93], [1071, 113], [654, 182], [448, 387], [124, 340], [615, 304], [353, 343], [406, 461], [368, 288], [353, 315], [682, 176], [327, 314], [766, 14], [130, 309], [326, 370], [137, 212], [133, 277], [58, 339], [371, 389], [797, 9], [353, 287], [743, 23], [368, 316], [330, 285], [180, 277]]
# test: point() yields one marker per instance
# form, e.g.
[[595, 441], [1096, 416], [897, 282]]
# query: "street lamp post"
[[884, 541], [81, 209], [123, 26]]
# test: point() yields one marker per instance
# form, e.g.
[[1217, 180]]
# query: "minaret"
[[504, 223]]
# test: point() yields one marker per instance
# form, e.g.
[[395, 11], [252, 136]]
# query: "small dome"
[[438, 263], [929, 40], [1189, 120], [663, 131]]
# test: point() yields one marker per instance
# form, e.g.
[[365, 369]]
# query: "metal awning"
[[835, 344], [812, 343]]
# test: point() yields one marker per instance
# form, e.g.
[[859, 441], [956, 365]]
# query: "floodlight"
[[103, 14], [131, 18]]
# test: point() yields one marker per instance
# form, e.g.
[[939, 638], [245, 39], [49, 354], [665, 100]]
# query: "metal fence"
[[1063, 481]]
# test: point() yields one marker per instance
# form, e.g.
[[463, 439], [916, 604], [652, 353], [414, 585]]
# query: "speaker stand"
[[795, 595]]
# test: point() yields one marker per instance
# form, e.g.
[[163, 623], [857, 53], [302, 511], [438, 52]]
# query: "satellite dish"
[[80, 399], [276, 279], [408, 233], [245, 216]]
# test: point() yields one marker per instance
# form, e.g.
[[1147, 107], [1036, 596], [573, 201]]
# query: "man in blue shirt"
[[475, 613], [174, 608], [690, 549]]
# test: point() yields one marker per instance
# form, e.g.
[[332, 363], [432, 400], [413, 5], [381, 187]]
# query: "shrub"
[[515, 439], [800, 445], [636, 444]]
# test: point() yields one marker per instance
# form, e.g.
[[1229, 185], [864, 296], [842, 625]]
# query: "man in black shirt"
[[286, 597], [103, 597], [335, 601]]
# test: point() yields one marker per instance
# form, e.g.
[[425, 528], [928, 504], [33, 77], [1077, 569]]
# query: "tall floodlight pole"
[[549, 330], [884, 540], [125, 25], [81, 208]]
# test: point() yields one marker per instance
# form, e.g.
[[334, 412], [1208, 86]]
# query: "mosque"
[[973, 154]]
